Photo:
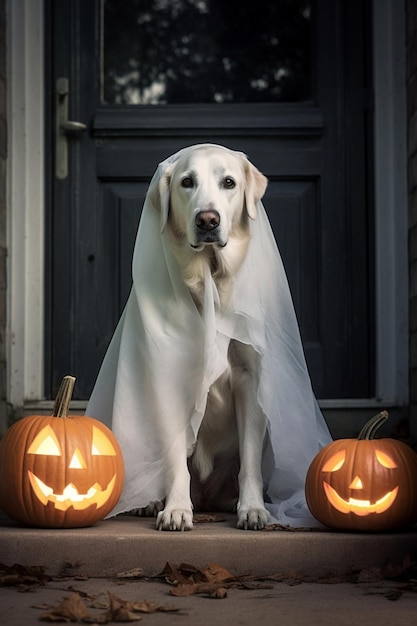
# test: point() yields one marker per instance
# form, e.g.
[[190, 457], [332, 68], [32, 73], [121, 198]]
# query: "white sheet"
[[164, 356]]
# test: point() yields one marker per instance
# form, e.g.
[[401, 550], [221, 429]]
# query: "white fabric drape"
[[165, 354]]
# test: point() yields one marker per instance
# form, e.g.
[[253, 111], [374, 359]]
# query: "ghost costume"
[[165, 354]]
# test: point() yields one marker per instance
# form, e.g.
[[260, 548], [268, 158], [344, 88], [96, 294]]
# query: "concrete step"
[[124, 543]]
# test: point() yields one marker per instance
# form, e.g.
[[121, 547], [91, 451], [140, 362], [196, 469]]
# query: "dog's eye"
[[187, 182], [229, 183]]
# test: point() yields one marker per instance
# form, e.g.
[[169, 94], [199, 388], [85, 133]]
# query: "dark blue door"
[[286, 83]]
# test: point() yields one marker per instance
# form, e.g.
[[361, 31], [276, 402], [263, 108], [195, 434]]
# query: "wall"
[[3, 248], [411, 21]]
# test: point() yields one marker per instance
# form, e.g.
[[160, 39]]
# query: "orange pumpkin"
[[364, 484], [60, 471]]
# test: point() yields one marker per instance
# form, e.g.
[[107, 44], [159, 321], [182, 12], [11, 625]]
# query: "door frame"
[[26, 207]]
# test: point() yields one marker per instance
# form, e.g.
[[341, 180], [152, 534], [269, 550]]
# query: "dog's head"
[[206, 193]]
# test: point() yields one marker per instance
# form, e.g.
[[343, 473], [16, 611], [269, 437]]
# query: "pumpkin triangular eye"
[[45, 442], [101, 444], [335, 462], [385, 460]]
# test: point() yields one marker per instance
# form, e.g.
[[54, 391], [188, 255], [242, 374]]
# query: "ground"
[[287, 603]]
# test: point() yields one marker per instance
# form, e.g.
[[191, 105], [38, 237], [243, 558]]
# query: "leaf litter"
[[391, 581], [74, 609], [17, 575]]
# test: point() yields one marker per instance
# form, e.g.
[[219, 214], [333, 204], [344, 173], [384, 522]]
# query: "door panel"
[[317, 199]]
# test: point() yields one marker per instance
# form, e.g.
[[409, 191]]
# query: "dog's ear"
[[158, 194], [256, 184]]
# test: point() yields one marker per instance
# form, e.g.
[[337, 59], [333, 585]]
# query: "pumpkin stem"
[[370, 428], [63, 397]]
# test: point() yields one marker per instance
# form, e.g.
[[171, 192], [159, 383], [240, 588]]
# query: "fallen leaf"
[[182, 591], [136, 572], [186, 574], [22, 575], [207, 589], [100, 602], [216, 573], [219, 593], [119, 611], [292, 529], [149, 606], [207, 518], [183, 574], [71, 609]]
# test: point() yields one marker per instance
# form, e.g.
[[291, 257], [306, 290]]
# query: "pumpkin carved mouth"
[[70, 496], [359, 507]]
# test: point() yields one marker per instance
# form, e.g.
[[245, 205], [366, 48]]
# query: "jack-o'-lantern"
[[60, 471], [364, 484]]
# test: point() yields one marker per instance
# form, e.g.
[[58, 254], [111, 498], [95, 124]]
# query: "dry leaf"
[[136, 572], [292, 529], [207, 518], [146, 606], [217, 574], [71, 609], [182, 591], [149, 606], [22, 575], [100, 602], [119, 611], [184, 574], [206, 589]]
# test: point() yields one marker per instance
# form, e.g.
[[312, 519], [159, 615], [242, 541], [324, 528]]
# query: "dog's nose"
[[207, 220]]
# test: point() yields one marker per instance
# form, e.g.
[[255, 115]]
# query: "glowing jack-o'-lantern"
[[364, 484], [60, 471]]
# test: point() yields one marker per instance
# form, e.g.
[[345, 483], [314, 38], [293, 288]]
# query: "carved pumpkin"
[[364, 484], [60, 471]]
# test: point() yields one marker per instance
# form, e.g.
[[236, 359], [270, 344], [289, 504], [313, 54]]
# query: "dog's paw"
[[252, 519], [175, 519]]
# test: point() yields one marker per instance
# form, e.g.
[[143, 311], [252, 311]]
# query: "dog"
[[207, 199]]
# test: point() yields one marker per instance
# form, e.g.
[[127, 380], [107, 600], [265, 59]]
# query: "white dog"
[[207, 199], [204, 383]]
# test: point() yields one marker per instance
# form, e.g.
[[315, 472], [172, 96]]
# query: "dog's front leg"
[[178, 513], [251, 422]]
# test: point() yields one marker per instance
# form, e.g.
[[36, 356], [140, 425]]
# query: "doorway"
[[294, 98]]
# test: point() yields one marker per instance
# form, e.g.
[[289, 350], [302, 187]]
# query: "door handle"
[[63, 127]]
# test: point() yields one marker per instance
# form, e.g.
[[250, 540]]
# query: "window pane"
[[206, 51]]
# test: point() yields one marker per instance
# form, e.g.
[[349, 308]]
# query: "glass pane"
[[206, 51]]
